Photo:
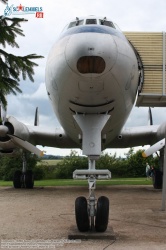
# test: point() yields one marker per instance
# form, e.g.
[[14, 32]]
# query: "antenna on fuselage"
[[77, 21]]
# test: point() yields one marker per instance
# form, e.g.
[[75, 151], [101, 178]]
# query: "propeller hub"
[[3, 130]]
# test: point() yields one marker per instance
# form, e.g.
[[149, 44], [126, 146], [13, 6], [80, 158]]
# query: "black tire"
[[102, 214], [81, 213], [157, 179], [29, 179], [17, 179]]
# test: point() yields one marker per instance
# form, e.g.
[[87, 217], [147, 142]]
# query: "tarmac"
[[43, 218]]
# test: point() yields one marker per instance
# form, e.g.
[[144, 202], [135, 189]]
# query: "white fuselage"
[[92, 69]]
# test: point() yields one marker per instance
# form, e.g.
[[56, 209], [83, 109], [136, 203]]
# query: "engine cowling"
[[11, 127]]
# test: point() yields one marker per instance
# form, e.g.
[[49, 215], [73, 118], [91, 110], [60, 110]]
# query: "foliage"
[[136, 164], [12, 66], [65, 168], [9, 164], [132, 166]]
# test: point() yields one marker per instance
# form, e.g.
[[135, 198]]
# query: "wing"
[[15, 134], [135, 136], [153, 135], [55, 138]]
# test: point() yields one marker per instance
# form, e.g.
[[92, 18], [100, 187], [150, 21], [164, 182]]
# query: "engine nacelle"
[[14, 128]]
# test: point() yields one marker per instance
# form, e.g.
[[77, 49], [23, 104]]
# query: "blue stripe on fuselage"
[[92, 29]]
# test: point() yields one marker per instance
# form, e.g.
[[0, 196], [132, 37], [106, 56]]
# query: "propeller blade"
[[26, 145], [154, 148], [36, 121], [150, 116]]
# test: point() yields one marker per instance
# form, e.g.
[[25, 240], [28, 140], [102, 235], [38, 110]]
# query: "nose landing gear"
[[92, 214]]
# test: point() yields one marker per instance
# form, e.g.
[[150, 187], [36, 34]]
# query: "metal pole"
[[164, 182]]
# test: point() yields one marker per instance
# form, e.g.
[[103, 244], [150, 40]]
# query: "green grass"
[[6, 183], [71, 182], [49, 162]]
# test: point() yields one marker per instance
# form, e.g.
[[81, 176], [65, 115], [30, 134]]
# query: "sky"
[[41, 34]]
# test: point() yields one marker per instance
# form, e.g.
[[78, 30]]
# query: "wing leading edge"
[[153, 135], [15, 134]]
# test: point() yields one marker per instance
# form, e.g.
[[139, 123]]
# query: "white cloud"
[[39, 94]]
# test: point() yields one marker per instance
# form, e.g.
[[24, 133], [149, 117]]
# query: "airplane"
[[93, 77]]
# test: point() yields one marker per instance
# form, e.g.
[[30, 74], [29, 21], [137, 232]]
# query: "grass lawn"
[[71, 182], [49, 162]]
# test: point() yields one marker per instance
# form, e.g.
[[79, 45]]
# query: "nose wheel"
[[102, 214], [81, 213], [97, 223]]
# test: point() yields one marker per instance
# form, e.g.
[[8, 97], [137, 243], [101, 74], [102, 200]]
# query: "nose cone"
[[88, 53]]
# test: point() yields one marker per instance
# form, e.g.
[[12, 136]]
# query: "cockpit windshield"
[[91, 21], [107, 23], [76, 23]]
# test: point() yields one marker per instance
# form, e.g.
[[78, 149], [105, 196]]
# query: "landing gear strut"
[[24, 178]]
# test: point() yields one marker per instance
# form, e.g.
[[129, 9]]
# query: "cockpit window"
[[76, 23], [91, 21], [107, 23]]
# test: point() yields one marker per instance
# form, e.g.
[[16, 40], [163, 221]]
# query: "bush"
[[132, 166], [64, 169]]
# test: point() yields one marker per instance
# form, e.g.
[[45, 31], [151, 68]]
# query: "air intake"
[[91, 64]]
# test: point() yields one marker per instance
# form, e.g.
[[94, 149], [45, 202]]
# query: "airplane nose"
[[88, 53]]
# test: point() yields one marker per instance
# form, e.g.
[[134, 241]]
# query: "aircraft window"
[[91, 21], [107, 23], [72, 24], [76, 23], [80, 22]]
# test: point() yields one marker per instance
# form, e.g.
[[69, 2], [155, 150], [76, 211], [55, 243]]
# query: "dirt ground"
[[46, 215]]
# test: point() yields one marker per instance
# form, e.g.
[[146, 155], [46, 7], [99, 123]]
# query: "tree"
[[129, 153], [136, 164], [64, 170], [12, 66]]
